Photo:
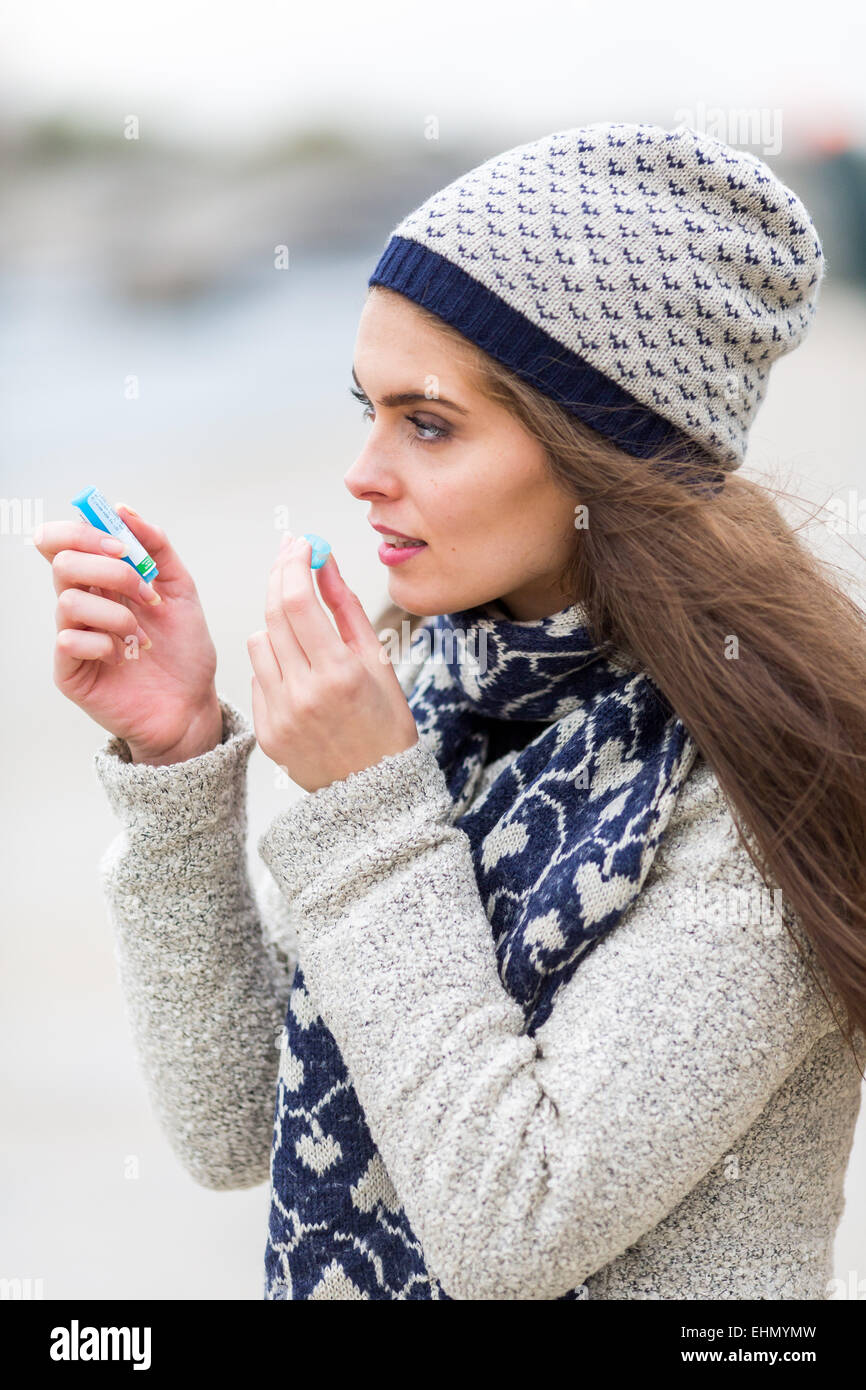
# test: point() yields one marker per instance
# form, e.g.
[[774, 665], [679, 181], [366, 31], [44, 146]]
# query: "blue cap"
[[321, 550]]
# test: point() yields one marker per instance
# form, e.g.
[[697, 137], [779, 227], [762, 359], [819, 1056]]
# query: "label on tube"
[[95, 509]]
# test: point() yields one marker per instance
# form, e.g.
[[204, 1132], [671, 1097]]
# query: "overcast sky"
[[234, 70]]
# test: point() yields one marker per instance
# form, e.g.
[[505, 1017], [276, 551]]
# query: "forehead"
[[395, 338], [389, 317]]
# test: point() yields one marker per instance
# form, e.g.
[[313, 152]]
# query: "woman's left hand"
[[325, 702]]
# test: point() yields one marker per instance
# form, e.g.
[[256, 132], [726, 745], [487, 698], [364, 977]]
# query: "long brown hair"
[[749, 637]]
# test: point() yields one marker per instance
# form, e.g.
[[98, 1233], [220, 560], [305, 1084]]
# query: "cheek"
[[490, 499], [487, 487]]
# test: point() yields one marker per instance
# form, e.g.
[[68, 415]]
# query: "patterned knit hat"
[[645, 279]]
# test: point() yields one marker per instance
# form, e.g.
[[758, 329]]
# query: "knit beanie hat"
[[645, 279]]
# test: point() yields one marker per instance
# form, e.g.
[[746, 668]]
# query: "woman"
[[564, 949]]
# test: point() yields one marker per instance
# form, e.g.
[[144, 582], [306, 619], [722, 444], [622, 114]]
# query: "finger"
[[291, 660], [84, 569], [260, 711], [77, 609], [312, 628], [352, 622], [74, 646], [53, 537], [265, 666], [158, 546], [80, 534]]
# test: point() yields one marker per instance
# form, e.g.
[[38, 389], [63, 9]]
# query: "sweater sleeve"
[[205, 965], [526, 1163]]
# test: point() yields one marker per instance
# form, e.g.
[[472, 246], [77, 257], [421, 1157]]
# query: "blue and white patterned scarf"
[[562, 840]]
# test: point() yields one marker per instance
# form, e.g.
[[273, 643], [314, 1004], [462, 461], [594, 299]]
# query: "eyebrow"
[[408, 397]]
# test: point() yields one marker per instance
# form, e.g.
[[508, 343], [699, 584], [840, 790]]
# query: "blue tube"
[[95, 509]]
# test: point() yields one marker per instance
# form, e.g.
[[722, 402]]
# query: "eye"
[[359, 396], [435, 434], [438, 432]]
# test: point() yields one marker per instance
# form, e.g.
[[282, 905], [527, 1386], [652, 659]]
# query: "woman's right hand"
[[161, 699]]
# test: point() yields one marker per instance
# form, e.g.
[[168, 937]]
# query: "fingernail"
[[118, 505], [112, 545], [143, 640], [37, 534], [147, 594]]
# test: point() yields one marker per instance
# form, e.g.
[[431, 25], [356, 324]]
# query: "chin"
[[421, 610], [427, 601]]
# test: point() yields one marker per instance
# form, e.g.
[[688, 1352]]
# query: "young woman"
[[564, 950]]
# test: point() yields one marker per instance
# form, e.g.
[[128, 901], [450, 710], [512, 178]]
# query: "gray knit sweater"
[[679, 1127]]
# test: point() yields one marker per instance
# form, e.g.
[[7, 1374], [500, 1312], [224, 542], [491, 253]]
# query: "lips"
[[398, 554], [397, 537]]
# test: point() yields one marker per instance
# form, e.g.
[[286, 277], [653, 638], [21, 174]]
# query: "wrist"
[[204, 732], [165, 807]]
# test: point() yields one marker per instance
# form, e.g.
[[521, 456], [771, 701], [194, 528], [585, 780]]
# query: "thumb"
[[352, 622], [156, 543]]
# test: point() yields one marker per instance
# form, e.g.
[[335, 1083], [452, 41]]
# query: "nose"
[[371, 475]]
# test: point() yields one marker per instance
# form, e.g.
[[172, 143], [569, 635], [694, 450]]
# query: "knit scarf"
[[562, 838]]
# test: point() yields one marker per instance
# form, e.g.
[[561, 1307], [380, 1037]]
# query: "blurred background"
[[154, 342]]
